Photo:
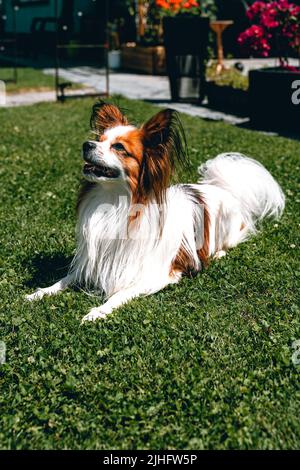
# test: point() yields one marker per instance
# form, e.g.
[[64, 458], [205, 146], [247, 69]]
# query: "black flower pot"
[[272, 99], [227, 98], [185, 36]]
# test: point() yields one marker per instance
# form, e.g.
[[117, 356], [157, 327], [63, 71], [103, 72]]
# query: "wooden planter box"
[[271, 101], [149, 60], [227, 98]]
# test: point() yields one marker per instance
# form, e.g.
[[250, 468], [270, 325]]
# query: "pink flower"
[[269, 17], [255, 10], [283, 5], [254, 40], [277, 27]]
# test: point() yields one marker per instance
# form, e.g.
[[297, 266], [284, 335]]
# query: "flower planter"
[[184, 36], [149, 60], [271, 101], [227, 98]]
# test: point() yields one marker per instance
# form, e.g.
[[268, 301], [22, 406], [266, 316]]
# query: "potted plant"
[[181, 18], [227, 91], [275, 30], [185, 33]]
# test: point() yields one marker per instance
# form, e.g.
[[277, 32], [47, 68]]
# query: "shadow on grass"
[[45, 269], [294, 135]]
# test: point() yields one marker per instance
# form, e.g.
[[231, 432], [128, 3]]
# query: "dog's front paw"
[[220, 254], [95, 314], [38, 294]]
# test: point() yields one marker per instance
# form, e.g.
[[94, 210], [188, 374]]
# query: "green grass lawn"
[[28, 79], [204, 364]]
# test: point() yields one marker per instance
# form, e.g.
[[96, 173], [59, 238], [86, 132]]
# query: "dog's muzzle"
[[93, 165]]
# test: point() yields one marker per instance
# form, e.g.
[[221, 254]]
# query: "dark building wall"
[[26, 13]]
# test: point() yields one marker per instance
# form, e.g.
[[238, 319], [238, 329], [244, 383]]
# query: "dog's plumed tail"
[[253, 187]]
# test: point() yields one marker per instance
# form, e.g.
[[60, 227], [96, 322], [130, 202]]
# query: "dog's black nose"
[[88, 146]]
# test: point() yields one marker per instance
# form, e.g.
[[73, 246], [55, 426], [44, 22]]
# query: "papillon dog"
[[135, 233]]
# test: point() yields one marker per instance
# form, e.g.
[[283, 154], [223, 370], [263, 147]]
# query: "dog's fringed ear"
[[164, 132], [164, 145], [105, 116]]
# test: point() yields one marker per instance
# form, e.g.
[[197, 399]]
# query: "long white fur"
[[238, 192], [111, 259], [257, 194]]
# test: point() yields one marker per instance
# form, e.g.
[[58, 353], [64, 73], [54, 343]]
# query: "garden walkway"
[[136, 86], [144, 87]]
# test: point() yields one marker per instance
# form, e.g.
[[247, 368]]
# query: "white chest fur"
[[110, 257]]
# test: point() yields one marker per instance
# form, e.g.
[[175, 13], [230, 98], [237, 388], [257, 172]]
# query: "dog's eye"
[[119, 147]]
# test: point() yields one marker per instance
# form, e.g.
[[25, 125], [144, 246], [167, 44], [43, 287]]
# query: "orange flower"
[[176, 6], [163, 4]]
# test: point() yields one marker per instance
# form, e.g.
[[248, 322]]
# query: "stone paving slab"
[[29, 98], [131, 85], [205, 113], [33, 97], [252, 64]]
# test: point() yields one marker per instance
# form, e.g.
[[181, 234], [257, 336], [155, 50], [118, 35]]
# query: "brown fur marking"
[[105, 116], [183, 261]]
